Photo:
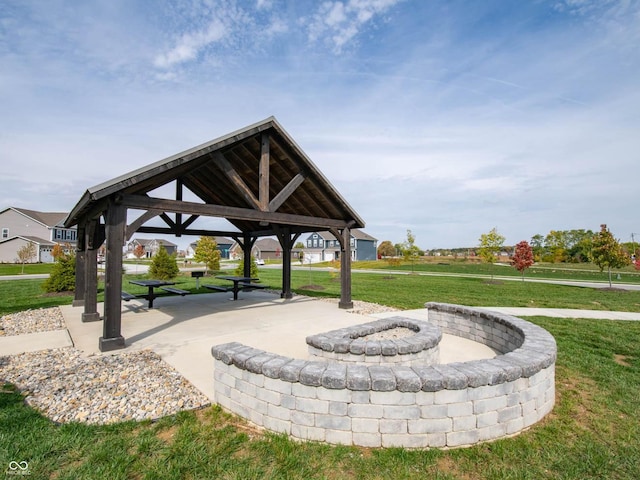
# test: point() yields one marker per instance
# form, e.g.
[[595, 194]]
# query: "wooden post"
[[247, 246], [91, 272], [81, 248], [345, 270], [286, 242], [116, 220], [263, 194]]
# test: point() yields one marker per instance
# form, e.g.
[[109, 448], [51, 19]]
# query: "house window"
[[315, 242], [352, 242], [309, 243], [5, 233]]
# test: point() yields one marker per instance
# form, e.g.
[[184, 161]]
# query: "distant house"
[[324, 247], [224, 244], [150, 246], [19, 226], [267, 248]]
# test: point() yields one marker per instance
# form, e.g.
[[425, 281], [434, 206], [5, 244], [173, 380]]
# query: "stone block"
[[271, 368], [290, 372], [460, 409], [356, 410], [392, 398], [339, 437], [367, 439], [268, 396], [451, 396], [434, 411], [302, 418], [303, 391], [333, 422], [280, 413], [458, 439], [358, 377], [487, 419], [435, 425], [255, 363], [401, 412], [453, 379], [407, 380], [334, 376], [277, 425], [489, 404], [365, 425], [338, 408], [343, 395], [308, 433], [382, 378], [311, 405], [311, 373], [393, 426], [277, 385], [464, 423]]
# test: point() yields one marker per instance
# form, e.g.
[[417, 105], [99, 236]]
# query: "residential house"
[[223, 244], [266, 248], [150, 247], [324, 247], [19, 226]]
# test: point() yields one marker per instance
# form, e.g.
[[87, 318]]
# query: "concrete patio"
[[182, 330]]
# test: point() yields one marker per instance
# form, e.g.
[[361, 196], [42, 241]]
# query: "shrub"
[[163, 266], [63, 275], [254, 268]]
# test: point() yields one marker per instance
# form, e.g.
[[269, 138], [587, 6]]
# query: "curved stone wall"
[[416, 406], [375, 342]]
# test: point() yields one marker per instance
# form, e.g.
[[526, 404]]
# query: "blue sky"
[[448, 118]]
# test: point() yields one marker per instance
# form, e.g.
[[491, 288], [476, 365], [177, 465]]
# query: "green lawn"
[[555, 271], [592, 433]]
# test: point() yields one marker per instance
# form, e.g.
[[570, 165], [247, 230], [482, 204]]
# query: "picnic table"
[[239, 283], [151, 286]]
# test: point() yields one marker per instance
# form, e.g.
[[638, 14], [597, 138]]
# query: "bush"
[[163, 266], [240, 268], [63, 275]]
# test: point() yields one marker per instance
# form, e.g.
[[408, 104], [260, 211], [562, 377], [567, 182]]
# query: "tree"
[[26, 253], [163, 266], [139, 252], [207, 252], [606, 251], [386, 249], [57, 251], [556, 245], [409, 249], [490, 246], [522, 257], [63, 275], [537, 245]]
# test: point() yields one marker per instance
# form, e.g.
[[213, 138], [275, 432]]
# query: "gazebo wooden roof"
[[257, 178]]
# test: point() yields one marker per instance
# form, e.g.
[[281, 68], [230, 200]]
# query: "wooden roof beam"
[[150, 203]]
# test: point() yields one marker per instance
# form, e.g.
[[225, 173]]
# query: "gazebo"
[[257, 178]]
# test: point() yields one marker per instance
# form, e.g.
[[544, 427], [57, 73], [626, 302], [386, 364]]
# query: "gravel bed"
[[390, 334], [67, 386], [32, 321], [363, 308]]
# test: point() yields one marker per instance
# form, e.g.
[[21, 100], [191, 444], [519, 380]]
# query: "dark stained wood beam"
[[236, 180], [286, 192], [150, 203], [263, 185], [138, 222]]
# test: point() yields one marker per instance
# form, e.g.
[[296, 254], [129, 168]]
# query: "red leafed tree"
[[522, 257]]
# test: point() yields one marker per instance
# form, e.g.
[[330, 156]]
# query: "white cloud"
[[191, 44], [338, 22]]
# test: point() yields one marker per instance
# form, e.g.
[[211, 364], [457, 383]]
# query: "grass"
[[555, 271], [592, 432], [401, 291]]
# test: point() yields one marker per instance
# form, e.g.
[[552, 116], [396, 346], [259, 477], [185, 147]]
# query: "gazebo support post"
[[116, 220], [81, 248], [286, 240], [345, 270], [92, 243], [247, 245]]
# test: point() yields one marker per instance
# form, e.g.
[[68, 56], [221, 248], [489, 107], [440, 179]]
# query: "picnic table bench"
[[151, 286], [239, 283]]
